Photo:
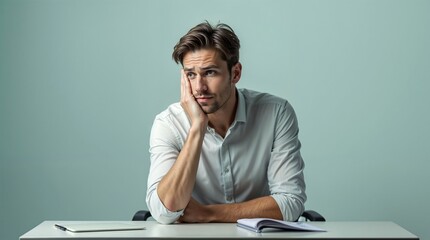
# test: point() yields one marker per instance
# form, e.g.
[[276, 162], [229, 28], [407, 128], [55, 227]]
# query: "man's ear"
[[236, 72]]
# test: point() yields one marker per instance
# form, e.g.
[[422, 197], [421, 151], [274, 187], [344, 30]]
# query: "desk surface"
[[153, 230]]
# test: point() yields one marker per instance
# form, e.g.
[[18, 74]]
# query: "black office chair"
[[309, 215]]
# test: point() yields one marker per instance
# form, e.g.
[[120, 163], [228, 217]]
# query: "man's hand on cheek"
[[190, 105]]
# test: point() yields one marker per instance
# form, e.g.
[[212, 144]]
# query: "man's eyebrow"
[[203, 68], [210, 67], [188, 69]]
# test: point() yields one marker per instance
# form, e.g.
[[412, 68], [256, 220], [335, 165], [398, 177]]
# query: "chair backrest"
[[141, 215]]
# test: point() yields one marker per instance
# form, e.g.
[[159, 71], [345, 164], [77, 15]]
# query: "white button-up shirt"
[[259, 156]]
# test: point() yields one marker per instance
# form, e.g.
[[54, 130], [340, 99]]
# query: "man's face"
[[211, 82]]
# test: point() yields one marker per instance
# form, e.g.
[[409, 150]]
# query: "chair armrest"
[[313, 216], [141, 215]]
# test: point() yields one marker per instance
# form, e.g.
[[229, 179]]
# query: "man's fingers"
[[187, 87], [183, 81]]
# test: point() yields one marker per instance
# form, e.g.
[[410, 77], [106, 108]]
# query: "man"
[[223, 153]]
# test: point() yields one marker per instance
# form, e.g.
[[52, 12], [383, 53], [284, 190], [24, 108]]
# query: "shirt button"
[[226, 170]]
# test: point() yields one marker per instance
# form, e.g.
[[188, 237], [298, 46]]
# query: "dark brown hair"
[[220, 37]]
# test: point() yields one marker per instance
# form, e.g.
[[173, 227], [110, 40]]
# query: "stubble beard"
[[216, 105]]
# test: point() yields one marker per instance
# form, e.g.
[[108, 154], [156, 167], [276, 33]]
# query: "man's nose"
[[201, 85]]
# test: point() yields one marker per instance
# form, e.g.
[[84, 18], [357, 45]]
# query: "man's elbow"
[[165, 220], [159, 211], [290, 206], [295, 210], [165, 216], [173, 205]]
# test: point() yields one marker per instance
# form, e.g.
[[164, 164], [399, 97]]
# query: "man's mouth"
[[203, 99]]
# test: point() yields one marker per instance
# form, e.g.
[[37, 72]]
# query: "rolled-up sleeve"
[[163, 150], [158, 211], [285, 170]]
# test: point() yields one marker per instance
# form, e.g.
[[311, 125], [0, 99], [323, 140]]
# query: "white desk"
[[335, 230]]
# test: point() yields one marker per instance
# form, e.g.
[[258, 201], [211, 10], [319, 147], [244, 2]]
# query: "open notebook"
[[258, 224]]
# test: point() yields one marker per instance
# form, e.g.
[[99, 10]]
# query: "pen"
[[60, 227]]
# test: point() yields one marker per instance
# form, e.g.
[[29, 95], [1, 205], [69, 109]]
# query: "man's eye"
[[191, 75], [210, 73]]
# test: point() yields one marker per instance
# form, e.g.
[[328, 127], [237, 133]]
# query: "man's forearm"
[[264, 207], [177, 185]]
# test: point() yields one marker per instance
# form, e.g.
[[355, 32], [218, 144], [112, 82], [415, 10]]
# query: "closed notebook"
[[98, 227], [257, 224]]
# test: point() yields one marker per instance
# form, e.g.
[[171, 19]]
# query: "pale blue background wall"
[[81, 81]]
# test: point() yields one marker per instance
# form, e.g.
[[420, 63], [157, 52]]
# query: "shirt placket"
[[226, 168], [226, 174]]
